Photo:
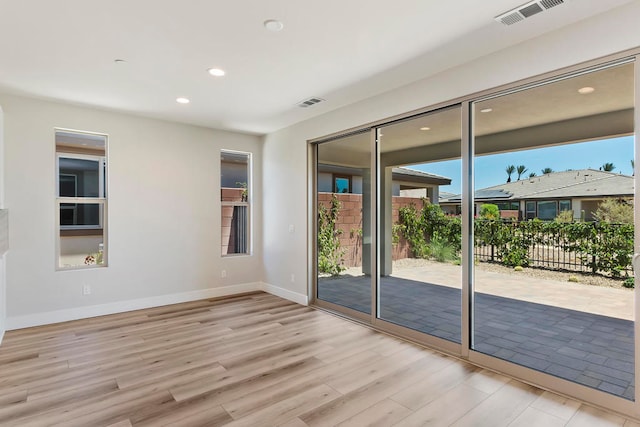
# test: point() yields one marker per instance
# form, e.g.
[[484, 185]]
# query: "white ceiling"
[[343, 51]]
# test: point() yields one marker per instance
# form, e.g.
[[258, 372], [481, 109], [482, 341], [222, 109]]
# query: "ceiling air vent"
[[309, 102], [527, 10]]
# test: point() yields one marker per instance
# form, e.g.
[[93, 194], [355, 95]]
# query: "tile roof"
[[576, 183]]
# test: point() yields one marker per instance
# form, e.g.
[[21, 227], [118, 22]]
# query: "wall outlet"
[[86, 289], [223, 273], [292, 228], [293, 278]]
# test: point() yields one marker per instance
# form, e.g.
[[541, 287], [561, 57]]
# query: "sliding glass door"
[[554, 234], [500, 229], [420, 225], [344, 223]]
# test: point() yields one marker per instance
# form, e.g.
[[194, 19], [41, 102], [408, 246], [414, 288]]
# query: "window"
[[235, 196], [81, 199], [547, 209], [508, 206], [531, 210], [564, 205], [341, 184]]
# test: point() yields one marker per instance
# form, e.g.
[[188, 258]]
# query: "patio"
[[576, 332]]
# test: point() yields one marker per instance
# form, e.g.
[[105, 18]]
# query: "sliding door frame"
[[465, 350]]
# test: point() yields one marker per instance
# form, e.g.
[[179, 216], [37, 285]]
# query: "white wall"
[[163, 207], [285, 151]]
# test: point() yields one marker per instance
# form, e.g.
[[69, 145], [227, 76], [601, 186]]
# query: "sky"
[[490, 169]]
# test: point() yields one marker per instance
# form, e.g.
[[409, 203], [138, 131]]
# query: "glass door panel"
[[420, 224], [344, 222], [553, 234]]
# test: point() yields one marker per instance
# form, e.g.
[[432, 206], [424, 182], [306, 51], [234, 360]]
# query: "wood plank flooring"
[[255, 360]]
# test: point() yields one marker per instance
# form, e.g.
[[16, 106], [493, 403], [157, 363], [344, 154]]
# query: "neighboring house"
[[545, 196], [406, 182]]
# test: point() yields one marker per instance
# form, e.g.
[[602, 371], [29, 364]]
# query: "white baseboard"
[[57, 316], [286, 294]]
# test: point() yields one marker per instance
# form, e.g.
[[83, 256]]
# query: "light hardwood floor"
[[255, 360]]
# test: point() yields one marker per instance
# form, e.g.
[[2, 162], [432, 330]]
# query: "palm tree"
[[510, 169], [532, 174], [521, 169], [608, 167], [546, 171]]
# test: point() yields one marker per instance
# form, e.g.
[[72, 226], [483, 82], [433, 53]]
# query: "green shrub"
[[565, 216], [602, 247], [329, 251], [515, 256], [421, 228], [489, 211], [412, 230], [615, 211], [629, 282], [441, 250]]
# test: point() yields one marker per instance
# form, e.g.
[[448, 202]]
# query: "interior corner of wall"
[[296, 297]]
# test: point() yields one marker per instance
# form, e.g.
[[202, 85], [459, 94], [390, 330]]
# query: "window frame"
[[335, 177], [101, 201], [102, 161], [247, 203], [528, 375], [564, 201]]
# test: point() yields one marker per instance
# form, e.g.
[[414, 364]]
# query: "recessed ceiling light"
[[216, 72], [273, 25], [182, 100], [486, 110], [425, 128], [586, 90]]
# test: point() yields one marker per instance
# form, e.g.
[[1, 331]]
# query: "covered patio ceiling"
[[551, 114]]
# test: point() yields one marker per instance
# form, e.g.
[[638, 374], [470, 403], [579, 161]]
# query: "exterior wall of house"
[[589, 207], [164, 214], [286, 151], [325, 183], [356, 185]]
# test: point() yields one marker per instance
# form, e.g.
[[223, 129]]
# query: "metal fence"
[[605, 248]]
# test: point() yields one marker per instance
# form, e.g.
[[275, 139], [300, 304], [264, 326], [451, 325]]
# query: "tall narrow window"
[[235, 193], [81, 199]]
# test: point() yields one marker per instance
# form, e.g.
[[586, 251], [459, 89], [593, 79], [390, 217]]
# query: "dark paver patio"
[[589, 349]]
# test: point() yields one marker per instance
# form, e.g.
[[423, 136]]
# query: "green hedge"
[[601, 247]]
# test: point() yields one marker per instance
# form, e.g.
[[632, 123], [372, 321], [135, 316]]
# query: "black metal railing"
[[595, 247]]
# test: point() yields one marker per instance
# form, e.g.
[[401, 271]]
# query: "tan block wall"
[[350, 222]]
